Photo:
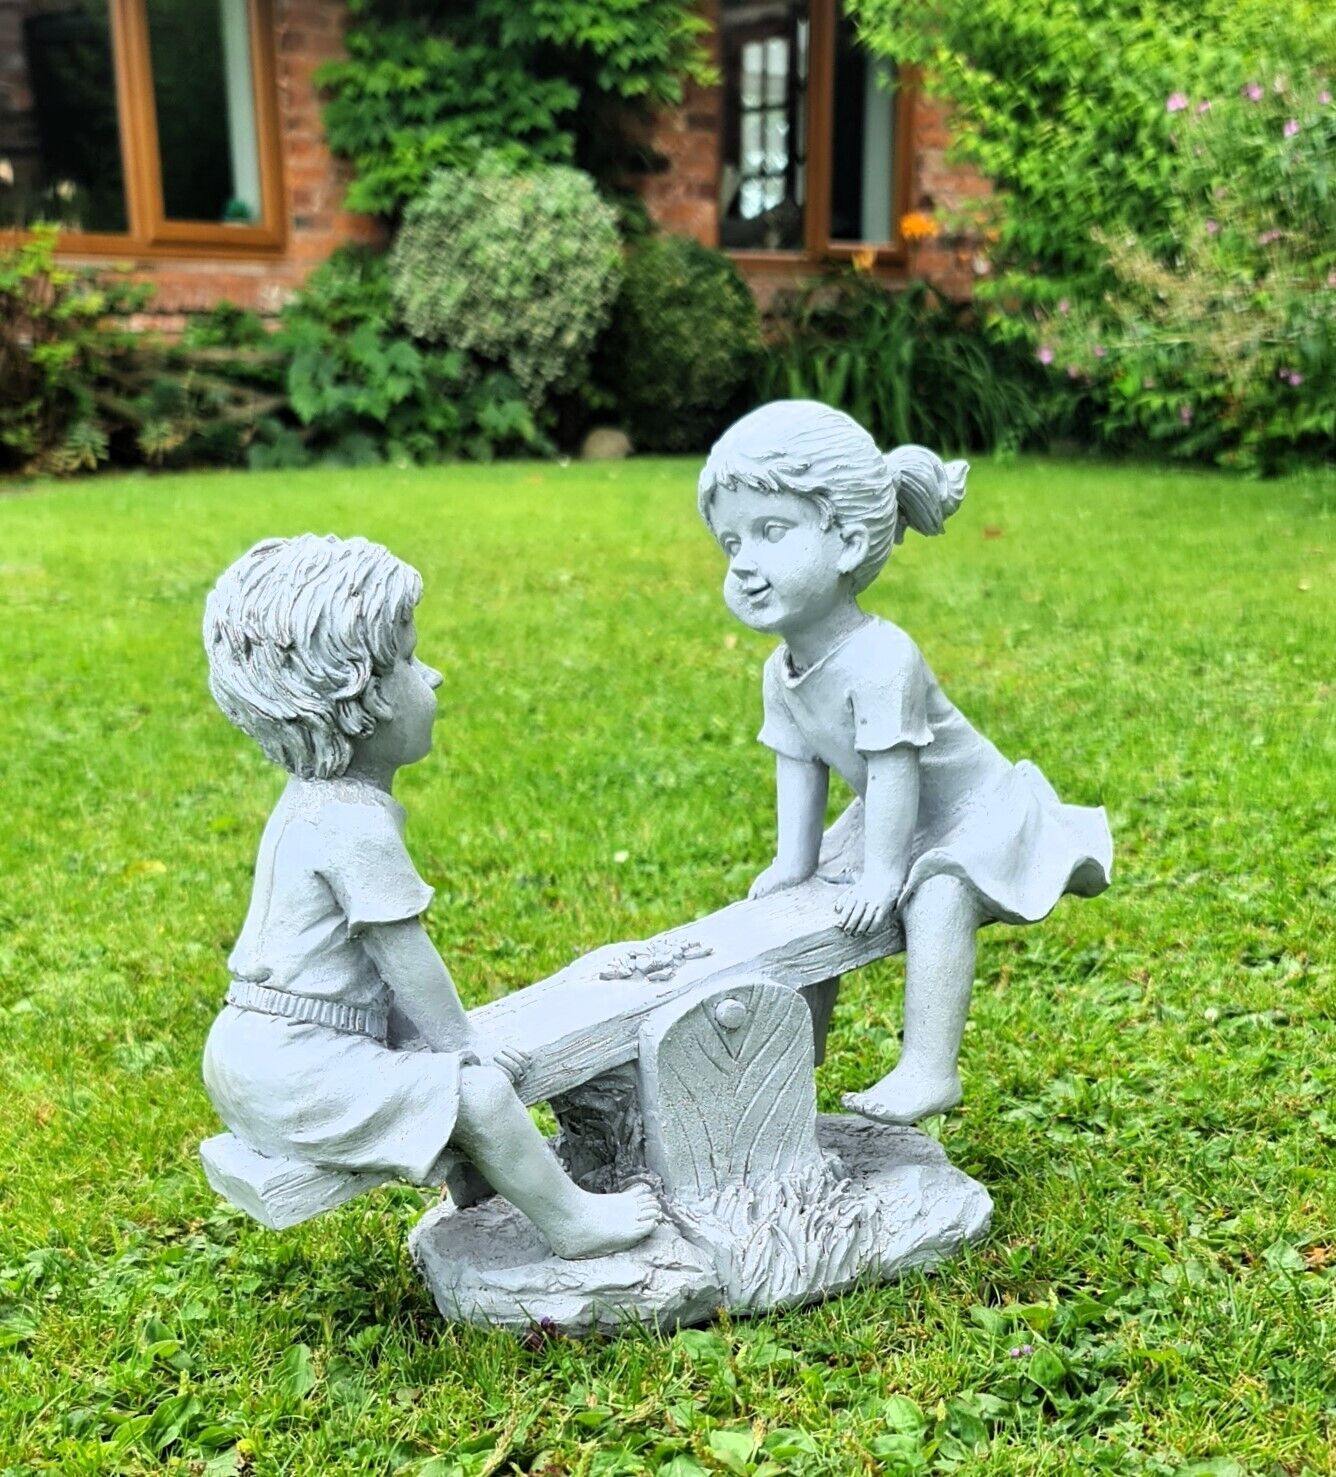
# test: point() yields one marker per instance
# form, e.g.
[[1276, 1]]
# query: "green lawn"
[[1149, 1076]]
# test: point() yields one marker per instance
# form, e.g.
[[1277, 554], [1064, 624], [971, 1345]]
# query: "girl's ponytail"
[[927, 490]]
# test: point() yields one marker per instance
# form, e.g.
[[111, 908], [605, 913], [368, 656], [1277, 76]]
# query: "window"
[[810, 162], [143, 125]]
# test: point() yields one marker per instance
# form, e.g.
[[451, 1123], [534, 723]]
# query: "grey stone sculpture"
[[691, 1171]]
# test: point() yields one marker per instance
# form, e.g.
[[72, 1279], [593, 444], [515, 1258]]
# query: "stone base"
[[884, 1199]]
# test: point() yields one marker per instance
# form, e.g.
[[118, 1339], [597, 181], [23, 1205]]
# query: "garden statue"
[[954, 836], [691, 1170]]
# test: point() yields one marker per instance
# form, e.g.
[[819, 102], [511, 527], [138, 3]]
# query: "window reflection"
[[203, 92], [862, 143], [60, 149], [763, 179]]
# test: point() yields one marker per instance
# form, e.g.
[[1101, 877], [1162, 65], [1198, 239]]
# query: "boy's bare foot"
[[602, 1224], [905, 1096]]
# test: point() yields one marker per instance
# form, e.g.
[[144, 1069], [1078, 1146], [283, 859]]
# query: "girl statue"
[[807, 511]]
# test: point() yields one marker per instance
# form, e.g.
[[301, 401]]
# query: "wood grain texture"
[[575, 1026], [727, 1097]]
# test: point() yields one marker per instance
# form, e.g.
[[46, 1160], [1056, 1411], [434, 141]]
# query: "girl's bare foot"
[[601, 1224], [904, 1096]]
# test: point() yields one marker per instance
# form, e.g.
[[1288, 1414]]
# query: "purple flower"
[[1045, 355], [1331, 279], [1185, 414], [1324, 97], [1100, 351], [1253, 92], [1204, 106], [1019, 1349], [1295, 378], [1175, 102], [1291, 127], [1265, 238], [1073, 373], [1064, 306], [1212, 228]]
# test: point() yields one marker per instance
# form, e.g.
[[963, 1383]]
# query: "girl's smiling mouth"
[[756, 589]]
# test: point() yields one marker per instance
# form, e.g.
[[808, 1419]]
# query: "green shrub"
[[427, 86], [1227, 348], [362, 390], [78, 388], [910, 365], [516, 267], [56, 353], [684, 345], [1171, 311]]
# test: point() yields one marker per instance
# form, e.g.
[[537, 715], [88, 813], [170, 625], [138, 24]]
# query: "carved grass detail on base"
[[883, 1200]]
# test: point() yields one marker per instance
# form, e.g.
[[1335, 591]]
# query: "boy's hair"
[[817, 452], [298, 633]]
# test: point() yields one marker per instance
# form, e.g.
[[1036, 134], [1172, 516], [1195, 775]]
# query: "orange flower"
[[918, 226], [864, 259]]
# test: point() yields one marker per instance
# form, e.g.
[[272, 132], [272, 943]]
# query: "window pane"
[[753, 74], [205, 101], [862, 143], [777, 71], [60, 143], [764, 49]]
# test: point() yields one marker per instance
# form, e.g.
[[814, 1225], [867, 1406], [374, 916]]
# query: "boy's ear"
[[855, 548]]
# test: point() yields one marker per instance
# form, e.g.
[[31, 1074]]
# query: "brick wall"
[[951, 262]]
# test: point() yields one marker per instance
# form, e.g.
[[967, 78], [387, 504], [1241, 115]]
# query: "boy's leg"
[[941, 921], [494, 1129]]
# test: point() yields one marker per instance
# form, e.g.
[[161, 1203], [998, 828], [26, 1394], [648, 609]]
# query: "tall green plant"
[[427, 86], [911, 366]]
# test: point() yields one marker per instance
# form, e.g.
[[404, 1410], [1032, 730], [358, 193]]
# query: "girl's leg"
[[940, 920], [494, 1129]]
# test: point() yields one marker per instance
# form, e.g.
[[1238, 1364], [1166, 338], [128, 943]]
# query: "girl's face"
[[784, 570]]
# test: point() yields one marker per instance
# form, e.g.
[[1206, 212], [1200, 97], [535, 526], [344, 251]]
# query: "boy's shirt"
[[332, 860]]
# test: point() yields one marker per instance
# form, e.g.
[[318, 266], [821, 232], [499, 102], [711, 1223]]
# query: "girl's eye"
[[775, 531], [729, 545]]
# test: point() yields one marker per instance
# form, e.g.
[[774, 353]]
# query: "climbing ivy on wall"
[[427, 85]]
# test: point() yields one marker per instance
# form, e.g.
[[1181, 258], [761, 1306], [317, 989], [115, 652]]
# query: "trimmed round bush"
[[517, 267], [684, 346]]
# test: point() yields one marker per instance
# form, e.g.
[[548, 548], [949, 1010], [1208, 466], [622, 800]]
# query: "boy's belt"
[[353, 1019]]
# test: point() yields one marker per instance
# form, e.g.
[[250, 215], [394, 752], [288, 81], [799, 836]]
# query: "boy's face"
[[783, 567], [410, 690]]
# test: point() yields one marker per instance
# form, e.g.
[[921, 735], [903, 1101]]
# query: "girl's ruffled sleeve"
[[779, 731], [889, 697], [367, 867]]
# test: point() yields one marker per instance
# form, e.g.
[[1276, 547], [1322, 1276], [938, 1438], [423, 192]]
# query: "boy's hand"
[[513, 1062], [774, 879], [867, 903]]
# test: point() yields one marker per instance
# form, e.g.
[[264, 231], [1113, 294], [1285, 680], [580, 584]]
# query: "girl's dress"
[[999, 827], [328, 1090]]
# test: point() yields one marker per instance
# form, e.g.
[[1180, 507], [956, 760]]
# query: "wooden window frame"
[[817, 248], [150, 233]]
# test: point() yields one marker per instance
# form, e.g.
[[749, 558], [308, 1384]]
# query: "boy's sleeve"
[[778, 730], [367, 867], [890, 700]]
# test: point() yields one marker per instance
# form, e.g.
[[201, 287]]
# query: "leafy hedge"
[[1111, 128], [427, 86]]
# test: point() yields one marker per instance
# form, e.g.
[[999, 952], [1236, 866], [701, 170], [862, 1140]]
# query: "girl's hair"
[[298, 633], [816, 452]]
